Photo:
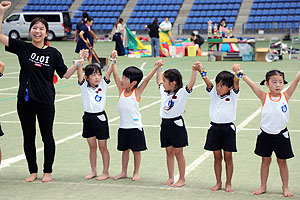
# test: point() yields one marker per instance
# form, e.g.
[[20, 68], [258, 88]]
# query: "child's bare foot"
[[228, 188], [169, 182], [122, 175], [136, 177], [102, 177], [47, 178], [260, 190], [31, 178], [287, 193], [217, 187], [91, 175], [179, 183]]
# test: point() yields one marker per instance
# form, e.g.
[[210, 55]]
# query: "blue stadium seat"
[[290, 18], [283, 18], [253, 12], [270, 19], [259, 12]]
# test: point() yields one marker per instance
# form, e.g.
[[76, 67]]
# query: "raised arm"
[[114, 56], [141, 88], [79, 71], [236, 82], [291, 89], [116, 76], [4, 5], [203, 75], [196, 66], [83, 54], [159, 75]]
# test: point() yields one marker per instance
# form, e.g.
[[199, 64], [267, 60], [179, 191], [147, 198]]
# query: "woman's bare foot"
[[120, 176], [217, 187], [169, 182], [260, 190], [136, 177], [179, 183], [31, 178], [91, 175], [102, 177], [287, 193], [47, 178], [228, 188]]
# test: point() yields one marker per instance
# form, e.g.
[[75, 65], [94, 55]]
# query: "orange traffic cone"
[[199, 52]]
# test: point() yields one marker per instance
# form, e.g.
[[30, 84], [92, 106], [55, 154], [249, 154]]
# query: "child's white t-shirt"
[[178, 101], [222, 109], [94, 99]]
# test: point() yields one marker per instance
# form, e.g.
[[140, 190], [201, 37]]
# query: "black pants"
[[119, 45], [28, 112]]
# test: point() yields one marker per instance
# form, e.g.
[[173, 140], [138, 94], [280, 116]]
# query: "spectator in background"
[[117, 37], [166, 25], [222, 25], [80, 24], [86, 38], [197, 39], [154, 37]]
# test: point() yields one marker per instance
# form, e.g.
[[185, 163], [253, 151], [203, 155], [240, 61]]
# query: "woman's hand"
[[5, 5]]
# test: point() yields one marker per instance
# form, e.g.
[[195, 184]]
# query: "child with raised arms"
[[130, 132], [95, 122], [273, 134], [173, 134], [221, 134]]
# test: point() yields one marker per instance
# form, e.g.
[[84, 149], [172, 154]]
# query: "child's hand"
[[114, 54], [197, 66], [83, 54], [236, 68], [5, 5], [159, 63]]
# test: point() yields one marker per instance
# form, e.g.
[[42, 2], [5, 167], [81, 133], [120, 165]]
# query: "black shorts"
[[1, 132], [279, 143], [133, 139], [173, 133], [221, 136], [95, 124]]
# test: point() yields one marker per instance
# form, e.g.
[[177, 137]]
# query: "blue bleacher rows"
[[146, 20], [274, 12], [216, 1], [104, 2], [154, 2], [99, 14], [213, 13], [276, 5], [98, 27], [269, 27], [283, 18], [100, 8], [44, 8], [50, 2], [264, 1], [157, 8], [203, 20], [153, 14], [216, 7]]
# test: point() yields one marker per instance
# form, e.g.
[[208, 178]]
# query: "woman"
[[86, 37], [117, 37], [36, 90], [154, 37]]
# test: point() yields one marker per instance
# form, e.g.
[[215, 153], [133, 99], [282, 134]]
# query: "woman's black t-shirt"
[[37, 70], [153, 30]]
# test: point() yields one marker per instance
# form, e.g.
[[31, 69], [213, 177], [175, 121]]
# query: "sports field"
[[72, 162]]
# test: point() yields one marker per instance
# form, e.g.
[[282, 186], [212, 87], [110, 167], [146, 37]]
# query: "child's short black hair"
[[134, 74], [92, 68], [174, 75], [272, 73], [226, 77]]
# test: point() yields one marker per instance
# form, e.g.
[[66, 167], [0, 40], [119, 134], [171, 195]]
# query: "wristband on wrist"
[[204, 74], [159, 69], [113, 60], [240, 74]]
